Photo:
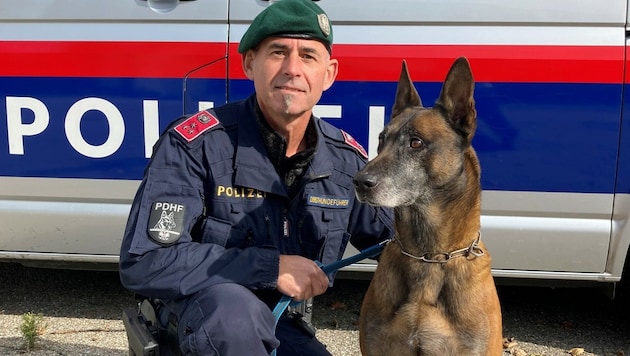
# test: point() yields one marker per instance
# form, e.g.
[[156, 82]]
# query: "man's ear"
[[331, 73], [246, 62]]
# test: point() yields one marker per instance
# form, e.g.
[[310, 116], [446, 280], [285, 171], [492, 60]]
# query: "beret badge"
[[324, 24]]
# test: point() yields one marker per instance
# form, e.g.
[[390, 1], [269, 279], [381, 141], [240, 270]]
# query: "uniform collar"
[[276, 145], [253, 167]]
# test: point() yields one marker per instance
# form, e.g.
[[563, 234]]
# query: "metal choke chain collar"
[[443, 257]]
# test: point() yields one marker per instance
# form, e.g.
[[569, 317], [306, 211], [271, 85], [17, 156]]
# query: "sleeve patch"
[[350, 141], [197, 124], [166, 222]]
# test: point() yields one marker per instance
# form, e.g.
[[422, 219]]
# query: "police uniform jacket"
[[212, 208]]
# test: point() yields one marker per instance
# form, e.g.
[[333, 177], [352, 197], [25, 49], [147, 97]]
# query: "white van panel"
[[115, 10], [64, 216], [453, 12], [542, 232]]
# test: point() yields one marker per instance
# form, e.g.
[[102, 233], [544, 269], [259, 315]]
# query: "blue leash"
[[285, 301]]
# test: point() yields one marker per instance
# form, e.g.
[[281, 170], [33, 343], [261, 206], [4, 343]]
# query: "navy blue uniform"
[[212, 214]]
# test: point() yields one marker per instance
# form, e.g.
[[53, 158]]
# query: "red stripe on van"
[[109, 59], [490, 63]]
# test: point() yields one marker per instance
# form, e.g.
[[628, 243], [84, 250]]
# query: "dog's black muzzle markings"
[[363, 184]]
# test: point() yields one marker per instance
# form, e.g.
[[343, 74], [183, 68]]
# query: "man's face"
[[289, 75]]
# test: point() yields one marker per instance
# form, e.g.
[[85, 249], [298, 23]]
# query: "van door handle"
[[160, 6]]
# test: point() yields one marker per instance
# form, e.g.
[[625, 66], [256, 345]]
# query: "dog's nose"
[[364, 181]]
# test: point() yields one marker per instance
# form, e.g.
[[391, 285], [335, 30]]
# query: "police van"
[[87, 86]]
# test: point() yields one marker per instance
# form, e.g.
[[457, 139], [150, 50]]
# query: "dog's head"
[[422, 151]]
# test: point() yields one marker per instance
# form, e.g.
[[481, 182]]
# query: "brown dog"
[[432, 292]]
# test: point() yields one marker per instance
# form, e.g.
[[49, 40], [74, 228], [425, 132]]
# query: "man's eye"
[[415, 143], [307, 57]]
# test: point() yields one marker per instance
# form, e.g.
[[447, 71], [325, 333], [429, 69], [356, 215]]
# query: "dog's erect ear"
[[406, 93], [457, 98]]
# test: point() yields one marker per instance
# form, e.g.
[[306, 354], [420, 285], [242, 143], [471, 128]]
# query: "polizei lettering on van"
[[28, 120], [18, 128]]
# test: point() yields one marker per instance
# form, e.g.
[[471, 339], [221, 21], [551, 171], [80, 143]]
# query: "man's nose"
[[292, 65]]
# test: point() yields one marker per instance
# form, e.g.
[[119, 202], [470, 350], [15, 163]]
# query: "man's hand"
[[300, 278]]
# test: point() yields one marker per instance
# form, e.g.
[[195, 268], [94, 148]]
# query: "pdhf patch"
[[166, 222]]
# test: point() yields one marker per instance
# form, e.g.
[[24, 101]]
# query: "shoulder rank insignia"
[[195, 125], [354, 144]]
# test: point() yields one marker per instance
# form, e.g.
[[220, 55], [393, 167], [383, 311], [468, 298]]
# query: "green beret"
[[289, 18]]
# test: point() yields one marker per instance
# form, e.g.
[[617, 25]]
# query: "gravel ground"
[[82, 311]]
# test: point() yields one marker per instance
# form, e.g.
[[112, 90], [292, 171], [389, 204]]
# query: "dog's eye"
[[415, 143]]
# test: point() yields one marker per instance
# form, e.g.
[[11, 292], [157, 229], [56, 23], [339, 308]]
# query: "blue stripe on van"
[[530, 137]]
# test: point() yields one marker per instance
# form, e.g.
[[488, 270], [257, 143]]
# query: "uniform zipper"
[[203, 203], [285, 223]]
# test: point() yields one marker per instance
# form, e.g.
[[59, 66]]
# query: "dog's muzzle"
[[363, 184]]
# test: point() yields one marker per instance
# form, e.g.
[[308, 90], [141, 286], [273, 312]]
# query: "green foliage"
[[32, 327]]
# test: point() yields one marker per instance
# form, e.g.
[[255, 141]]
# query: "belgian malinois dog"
[[432, 292]]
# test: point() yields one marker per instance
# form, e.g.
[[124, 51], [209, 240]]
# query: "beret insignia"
[[324, 24], [350, 141]]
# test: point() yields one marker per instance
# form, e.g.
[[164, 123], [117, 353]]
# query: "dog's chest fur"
[[444, 324]]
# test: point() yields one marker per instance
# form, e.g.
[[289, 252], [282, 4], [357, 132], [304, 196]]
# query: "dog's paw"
[[576, 351], [509, 342]]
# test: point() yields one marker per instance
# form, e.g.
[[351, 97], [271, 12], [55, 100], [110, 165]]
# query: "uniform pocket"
[[215, 231], [334, 246]]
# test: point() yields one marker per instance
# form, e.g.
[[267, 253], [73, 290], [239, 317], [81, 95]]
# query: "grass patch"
[[32, 327]]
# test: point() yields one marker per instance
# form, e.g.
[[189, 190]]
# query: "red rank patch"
[[354, 144], [197, 124]]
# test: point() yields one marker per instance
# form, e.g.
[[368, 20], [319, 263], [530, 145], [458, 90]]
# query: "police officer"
[[238, 202]]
